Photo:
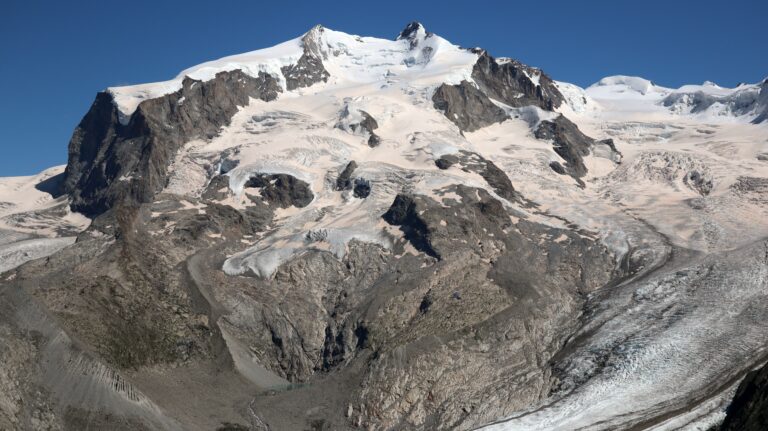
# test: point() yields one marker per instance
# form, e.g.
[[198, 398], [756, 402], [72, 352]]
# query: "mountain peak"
[[413, 31], [311, 40]]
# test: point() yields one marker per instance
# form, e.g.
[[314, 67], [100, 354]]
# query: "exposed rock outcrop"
[[491, 310], [110, 162], [361, 188], [411, 33], [344, 180], [281, 189], [507, 81], [359, 122], [466, 106], [749, 409], [515, 84], [568, 142], [492, 174], [573, 145], [309, 69], [369, 125]]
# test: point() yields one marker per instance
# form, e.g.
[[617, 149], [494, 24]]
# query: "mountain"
[[345, 232]]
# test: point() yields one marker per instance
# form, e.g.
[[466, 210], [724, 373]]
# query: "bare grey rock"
[[411, 31], [749, 409], [511, 82], [365, 126], [466, 106], [110, 162], [557, 167], [344, 180], [282, 189], [369, 124], [492, 174], [309, 69], [568, 142], [361, 188]]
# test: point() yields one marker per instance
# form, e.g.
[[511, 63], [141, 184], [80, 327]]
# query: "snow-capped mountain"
[[345, 232], [707, 102]]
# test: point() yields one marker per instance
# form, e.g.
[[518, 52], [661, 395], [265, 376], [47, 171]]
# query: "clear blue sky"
[[55, 55]]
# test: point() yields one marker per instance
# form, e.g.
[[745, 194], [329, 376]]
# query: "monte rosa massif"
[[344, 232]]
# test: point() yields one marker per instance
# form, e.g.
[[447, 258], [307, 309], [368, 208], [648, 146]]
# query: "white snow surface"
[[350, 60], [22, 206], [31, 219], [705, 102]]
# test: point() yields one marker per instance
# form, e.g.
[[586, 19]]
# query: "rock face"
[[749, 409], [344, 180], [492, 174], [112, 163], [360, 122], [471, 107], [309, 69], [568, 142], [515, 84], [369, 125], [362, 188], [411, 32], [572, 145], [282, 189], [462, 232], [468, 107], [507, 81]]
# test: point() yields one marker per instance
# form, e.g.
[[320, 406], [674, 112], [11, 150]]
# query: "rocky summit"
[[345, 232]]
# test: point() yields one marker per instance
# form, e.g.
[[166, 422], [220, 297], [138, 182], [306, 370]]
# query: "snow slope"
[[350, 59], [706, 102], [26, 206], [33, 223]]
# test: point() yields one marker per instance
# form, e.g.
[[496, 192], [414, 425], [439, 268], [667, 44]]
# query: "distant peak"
[[311, 41], [623, 80], [413, 30], [313, 32], [635, 83]]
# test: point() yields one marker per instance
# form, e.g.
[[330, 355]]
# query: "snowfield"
[[34, 224]]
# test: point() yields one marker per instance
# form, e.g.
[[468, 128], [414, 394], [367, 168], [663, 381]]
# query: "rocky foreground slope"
[[342, 232]]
